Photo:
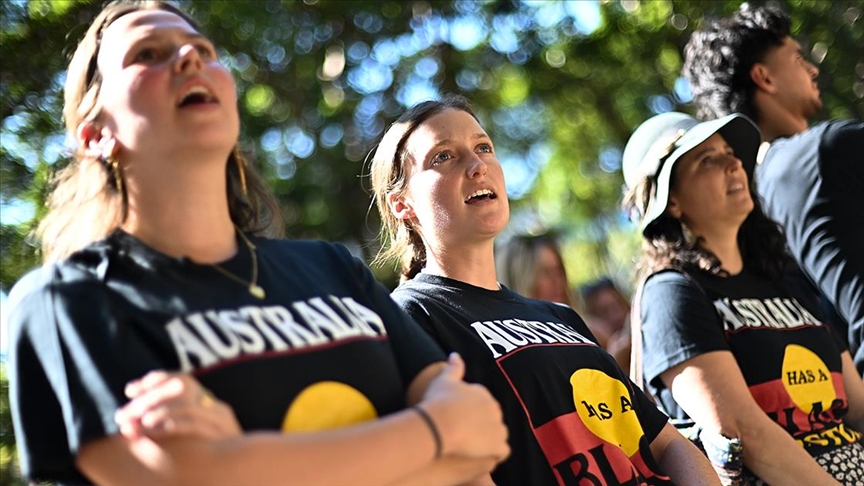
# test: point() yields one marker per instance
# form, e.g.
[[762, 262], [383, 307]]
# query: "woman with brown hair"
[[573, 416], [732, 339], [156, 261]]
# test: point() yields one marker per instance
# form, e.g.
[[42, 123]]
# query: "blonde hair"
[[516, 263], [389, 174], [86, 203]]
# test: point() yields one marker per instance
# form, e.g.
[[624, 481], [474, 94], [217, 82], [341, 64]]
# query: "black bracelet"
[[432, 428]]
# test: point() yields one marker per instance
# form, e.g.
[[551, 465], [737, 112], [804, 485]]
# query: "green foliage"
[[9, 473], [559, 85]]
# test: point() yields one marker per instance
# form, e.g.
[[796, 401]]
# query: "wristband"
[[432, 428]]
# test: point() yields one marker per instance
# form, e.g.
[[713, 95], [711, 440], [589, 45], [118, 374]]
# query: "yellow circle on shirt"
[[807, 379], [327, 405], [605, 407]]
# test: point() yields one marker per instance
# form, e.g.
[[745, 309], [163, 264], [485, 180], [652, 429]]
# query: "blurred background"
[[559, 85]]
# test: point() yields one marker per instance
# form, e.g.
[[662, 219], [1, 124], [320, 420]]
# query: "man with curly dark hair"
[[810, 177]]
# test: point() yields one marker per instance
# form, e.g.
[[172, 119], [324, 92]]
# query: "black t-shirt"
[[326, 333], [788, 357], [813, 185], [573, 416]]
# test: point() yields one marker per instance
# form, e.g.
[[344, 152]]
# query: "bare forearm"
[[346, 457], [856, 422], [712, 390], [373, 453], [854, 393], [451, 418], [774, 456], [681, 460]]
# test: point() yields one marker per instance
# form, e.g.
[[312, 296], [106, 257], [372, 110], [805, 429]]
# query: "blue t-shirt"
[[813, 185]]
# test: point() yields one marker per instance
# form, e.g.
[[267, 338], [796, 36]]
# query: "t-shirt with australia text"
[[82, 328], [573, 416], [789, 358]]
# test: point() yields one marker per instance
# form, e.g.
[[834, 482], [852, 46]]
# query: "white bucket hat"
[[659, 142]]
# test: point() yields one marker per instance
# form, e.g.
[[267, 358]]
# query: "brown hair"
[[85, 203], [389, 175]]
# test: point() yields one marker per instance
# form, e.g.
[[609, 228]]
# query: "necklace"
[[252, 285]]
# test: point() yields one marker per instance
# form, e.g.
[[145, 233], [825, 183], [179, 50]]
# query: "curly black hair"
[[719, 56]]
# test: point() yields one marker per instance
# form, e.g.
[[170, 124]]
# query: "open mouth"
[[480, 195], [735, 188], [196, 95]]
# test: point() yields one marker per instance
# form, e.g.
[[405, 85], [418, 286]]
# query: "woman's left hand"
[[164, 404]]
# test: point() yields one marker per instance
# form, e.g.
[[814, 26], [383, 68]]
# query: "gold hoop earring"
[[241, 170]]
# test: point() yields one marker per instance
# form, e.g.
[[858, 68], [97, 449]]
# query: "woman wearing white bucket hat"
[[730, 336]]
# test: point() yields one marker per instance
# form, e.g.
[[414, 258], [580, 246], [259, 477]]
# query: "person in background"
[[531, 265], [156, 260], [732, 339], [573, 415], [608, 316], [810, 178]]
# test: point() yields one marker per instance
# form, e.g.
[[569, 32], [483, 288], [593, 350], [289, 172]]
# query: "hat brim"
[[739, 132]]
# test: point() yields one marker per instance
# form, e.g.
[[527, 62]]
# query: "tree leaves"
[[559, 86]]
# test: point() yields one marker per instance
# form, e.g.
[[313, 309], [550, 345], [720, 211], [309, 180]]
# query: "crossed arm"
[[390, 450]]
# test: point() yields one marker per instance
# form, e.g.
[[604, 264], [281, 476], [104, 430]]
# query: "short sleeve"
[[65, 384], [419, 314], [678, 323], [652, 418], [413, 348]]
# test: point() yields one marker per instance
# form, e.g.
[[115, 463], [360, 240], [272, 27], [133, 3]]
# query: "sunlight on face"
[[456, 185], [150, 61]]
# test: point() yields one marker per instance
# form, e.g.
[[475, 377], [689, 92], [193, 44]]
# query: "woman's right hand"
[[164, 404], [468, 418]]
